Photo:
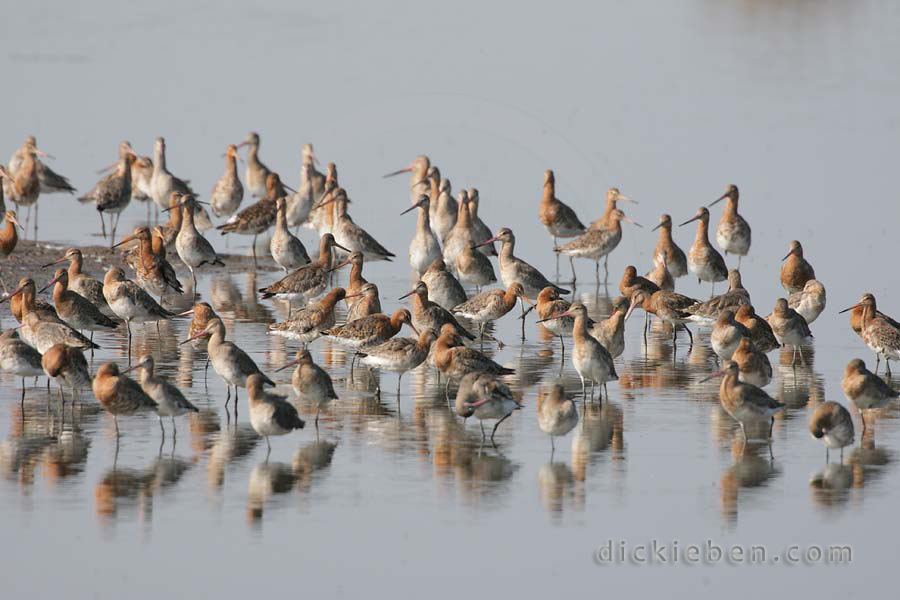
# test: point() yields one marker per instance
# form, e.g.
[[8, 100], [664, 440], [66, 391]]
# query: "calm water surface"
[[796, 102]]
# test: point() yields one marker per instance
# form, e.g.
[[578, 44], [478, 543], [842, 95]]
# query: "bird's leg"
[[161, 428], [522, 302], [803, 360], [22, 401], [826, 455], [794, 356], [562, 348], [482, 430], [606, 268], [174, 430], [887, 366], [193, 283], [690, 335], [103, 228], [597, 271], [116, 422], [227, 395], [862, 417], [255, 264], [555, 251], [114, 224], [583, 391], [496, 425], [739, 261], [592, 390], [572, 264], [318, 408], [771, 427]]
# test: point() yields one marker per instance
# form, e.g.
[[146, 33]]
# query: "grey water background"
[[796, 102]]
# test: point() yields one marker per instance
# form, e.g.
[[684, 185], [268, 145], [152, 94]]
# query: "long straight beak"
[[413, 327], [343, 264], [407, 295], [413, 207], [400, 172], [626, 198], [288, 188], [133, 367], [568, 313], [336, 245], [8, 296], [631, 309], [356, 295], [479, 403], [51, 282], [108, 168], [125, 241], [632, 221], [713, 376], [719, 199], [43, 154], [290, 364], [787, 256], [242, 144], [530, 303], [15, 221], [328, 198], [196, 336], [857, 305], [691, 220], [185, 313], [55, 262], [487, 241], [657, 227]]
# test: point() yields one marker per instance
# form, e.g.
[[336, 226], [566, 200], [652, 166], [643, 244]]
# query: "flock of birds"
[[452, 250]]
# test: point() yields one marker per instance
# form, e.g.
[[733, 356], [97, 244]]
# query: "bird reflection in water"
[[123, 488], [751, 468], [836, 483], [559, 489], [226, 297], [657, 367], [269, 479], [601, 429], [229, 445], [47, 435], [479, 472]]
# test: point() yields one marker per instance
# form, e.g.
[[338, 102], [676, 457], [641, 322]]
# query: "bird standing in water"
[[733, 232]]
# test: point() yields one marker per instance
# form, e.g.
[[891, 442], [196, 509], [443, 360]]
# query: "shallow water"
[[793, 101]]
